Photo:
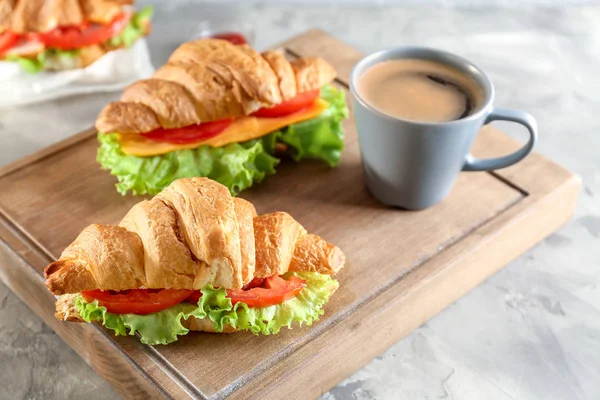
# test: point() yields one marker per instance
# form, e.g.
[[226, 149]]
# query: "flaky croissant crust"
[[25, 16], [209, 80], [191, 234]]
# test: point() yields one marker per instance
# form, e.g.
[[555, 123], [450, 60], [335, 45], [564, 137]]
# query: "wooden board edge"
[[99, 351], [47, 151], [394, 314], [88, 134], [17, 272]]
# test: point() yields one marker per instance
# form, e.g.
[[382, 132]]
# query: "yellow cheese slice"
[[241, 130]]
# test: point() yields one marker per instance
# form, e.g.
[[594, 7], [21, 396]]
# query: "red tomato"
[[276, 291], [273, 290], [291, 106], [233, 37], [189, 134], [256, 282], [194, 297], [137, 301], [7, 41], [76, 37]]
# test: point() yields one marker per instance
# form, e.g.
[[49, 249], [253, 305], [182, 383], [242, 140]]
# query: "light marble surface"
[[532, 331]]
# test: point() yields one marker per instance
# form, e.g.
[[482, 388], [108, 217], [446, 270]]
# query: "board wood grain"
[[403, 266]]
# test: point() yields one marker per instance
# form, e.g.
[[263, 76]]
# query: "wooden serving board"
[[403, 267]]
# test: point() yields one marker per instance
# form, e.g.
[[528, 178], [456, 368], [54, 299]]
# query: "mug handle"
[[501, 114]]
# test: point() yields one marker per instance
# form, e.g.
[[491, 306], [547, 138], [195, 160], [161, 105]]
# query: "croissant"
[[25, 16], [191, 234], [31, 28], [209, 80]]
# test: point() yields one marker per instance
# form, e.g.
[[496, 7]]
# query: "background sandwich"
[[66, 34], [195, 258], [221, 111]]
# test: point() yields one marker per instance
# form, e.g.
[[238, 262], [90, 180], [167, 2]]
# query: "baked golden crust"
[[314, 255], [102, 256], [169, 101], [209, 80], [102, 11], [25, 16], [117, 116], [239, 66], [312, 73], [245, 213], [215, 98], [6, 10], [209, 226], [284, 72], [42, 16], [276, 235], [156, 224], [191, 234]]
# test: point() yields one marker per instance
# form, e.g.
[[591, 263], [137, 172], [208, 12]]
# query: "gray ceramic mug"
[[414, 165]]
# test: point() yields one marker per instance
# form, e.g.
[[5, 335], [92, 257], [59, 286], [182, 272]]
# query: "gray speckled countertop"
[[532, 331]]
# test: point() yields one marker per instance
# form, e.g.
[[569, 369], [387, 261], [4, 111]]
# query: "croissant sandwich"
[[222, 111], [66, 34], [194, 258]]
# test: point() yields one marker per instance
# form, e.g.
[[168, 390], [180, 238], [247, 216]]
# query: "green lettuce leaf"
[[55, 56], [29, 65], [158, 328], [164, 327], [137, 27], [236, 165], [321, 137]]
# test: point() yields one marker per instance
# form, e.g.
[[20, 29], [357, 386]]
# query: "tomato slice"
[[291, 106], [76, 37], [189, 134], [256, 282], [137, 301], [258, 293], [233, 37], [7, 41], [276, 290], [262, 292]]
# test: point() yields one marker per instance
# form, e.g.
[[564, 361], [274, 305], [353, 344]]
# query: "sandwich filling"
[[73, 46], [247, 271], [159, 317], [236, 153]]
